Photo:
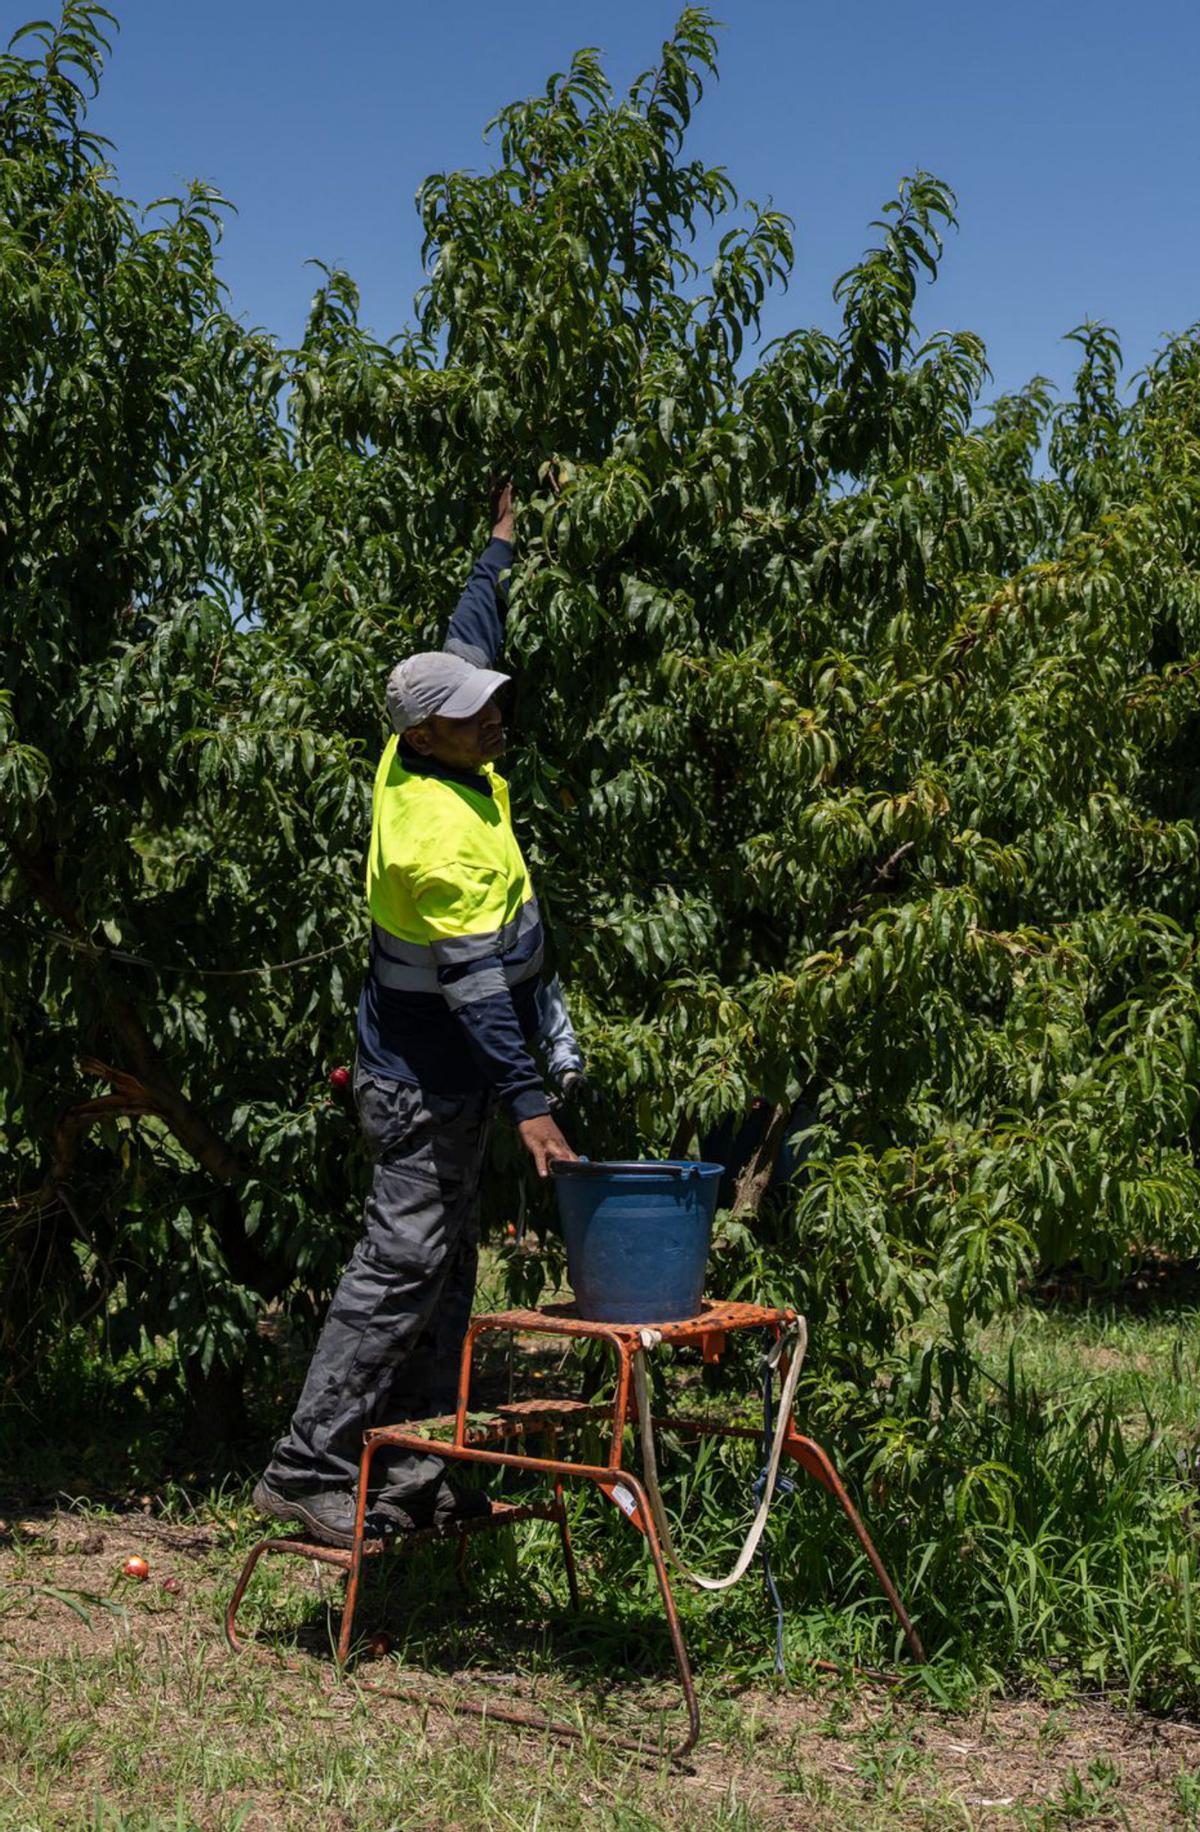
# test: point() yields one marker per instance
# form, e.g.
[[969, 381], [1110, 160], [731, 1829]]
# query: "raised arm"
[[476, 629]]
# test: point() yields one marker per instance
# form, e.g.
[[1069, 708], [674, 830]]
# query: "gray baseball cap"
[[441, 683]]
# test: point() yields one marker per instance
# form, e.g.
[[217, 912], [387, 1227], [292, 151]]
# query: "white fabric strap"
[[795, 1342]]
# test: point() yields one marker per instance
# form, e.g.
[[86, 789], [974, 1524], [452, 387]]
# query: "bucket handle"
[[564, 1167]]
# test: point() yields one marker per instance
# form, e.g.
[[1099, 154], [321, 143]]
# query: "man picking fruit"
[[453, 1003]]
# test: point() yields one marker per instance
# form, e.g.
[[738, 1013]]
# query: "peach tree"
[[852, 740]]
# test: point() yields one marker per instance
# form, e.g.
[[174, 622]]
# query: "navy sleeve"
[[476, 629], [477, 993]]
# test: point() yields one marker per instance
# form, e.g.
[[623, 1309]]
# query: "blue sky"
[[1069, 132]]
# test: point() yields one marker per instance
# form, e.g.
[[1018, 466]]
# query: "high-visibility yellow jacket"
[[451, 999]]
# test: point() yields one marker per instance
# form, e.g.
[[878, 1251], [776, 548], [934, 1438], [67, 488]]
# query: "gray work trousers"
[[390, 1346]]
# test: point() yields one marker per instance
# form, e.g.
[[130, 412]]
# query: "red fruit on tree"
[[339, 1080], [136, 1567]]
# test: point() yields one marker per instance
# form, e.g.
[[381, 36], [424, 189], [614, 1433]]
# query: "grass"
[[1058, 1585], [1141, 1353], [145, 1722]]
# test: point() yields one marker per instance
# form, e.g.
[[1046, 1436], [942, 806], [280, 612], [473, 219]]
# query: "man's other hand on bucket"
[[545, 1143]]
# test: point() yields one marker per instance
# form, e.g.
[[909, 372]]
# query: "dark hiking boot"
[[455, 1501], [441, 1505], [328, 1514], [412, 1515]]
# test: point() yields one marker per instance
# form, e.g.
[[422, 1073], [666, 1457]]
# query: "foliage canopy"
[[854, 743]]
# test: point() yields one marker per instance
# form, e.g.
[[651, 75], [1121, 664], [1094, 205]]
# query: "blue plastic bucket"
[[637, 1237]]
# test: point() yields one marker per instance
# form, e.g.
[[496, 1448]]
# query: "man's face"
[[464, 744]]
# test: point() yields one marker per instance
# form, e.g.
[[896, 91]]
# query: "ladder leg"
[[354, 1575], [568, 1550], [235, 1601], [644, 1521], [811, 1457]]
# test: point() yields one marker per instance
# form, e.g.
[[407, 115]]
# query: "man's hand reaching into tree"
[[503, 512]]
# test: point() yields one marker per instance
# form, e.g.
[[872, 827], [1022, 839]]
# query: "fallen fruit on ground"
[[136, 1567]]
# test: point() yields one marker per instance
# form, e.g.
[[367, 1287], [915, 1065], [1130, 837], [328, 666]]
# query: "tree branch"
[[885, 877]]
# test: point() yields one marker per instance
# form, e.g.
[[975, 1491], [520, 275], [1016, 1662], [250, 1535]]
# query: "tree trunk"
[[754, 1180]]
